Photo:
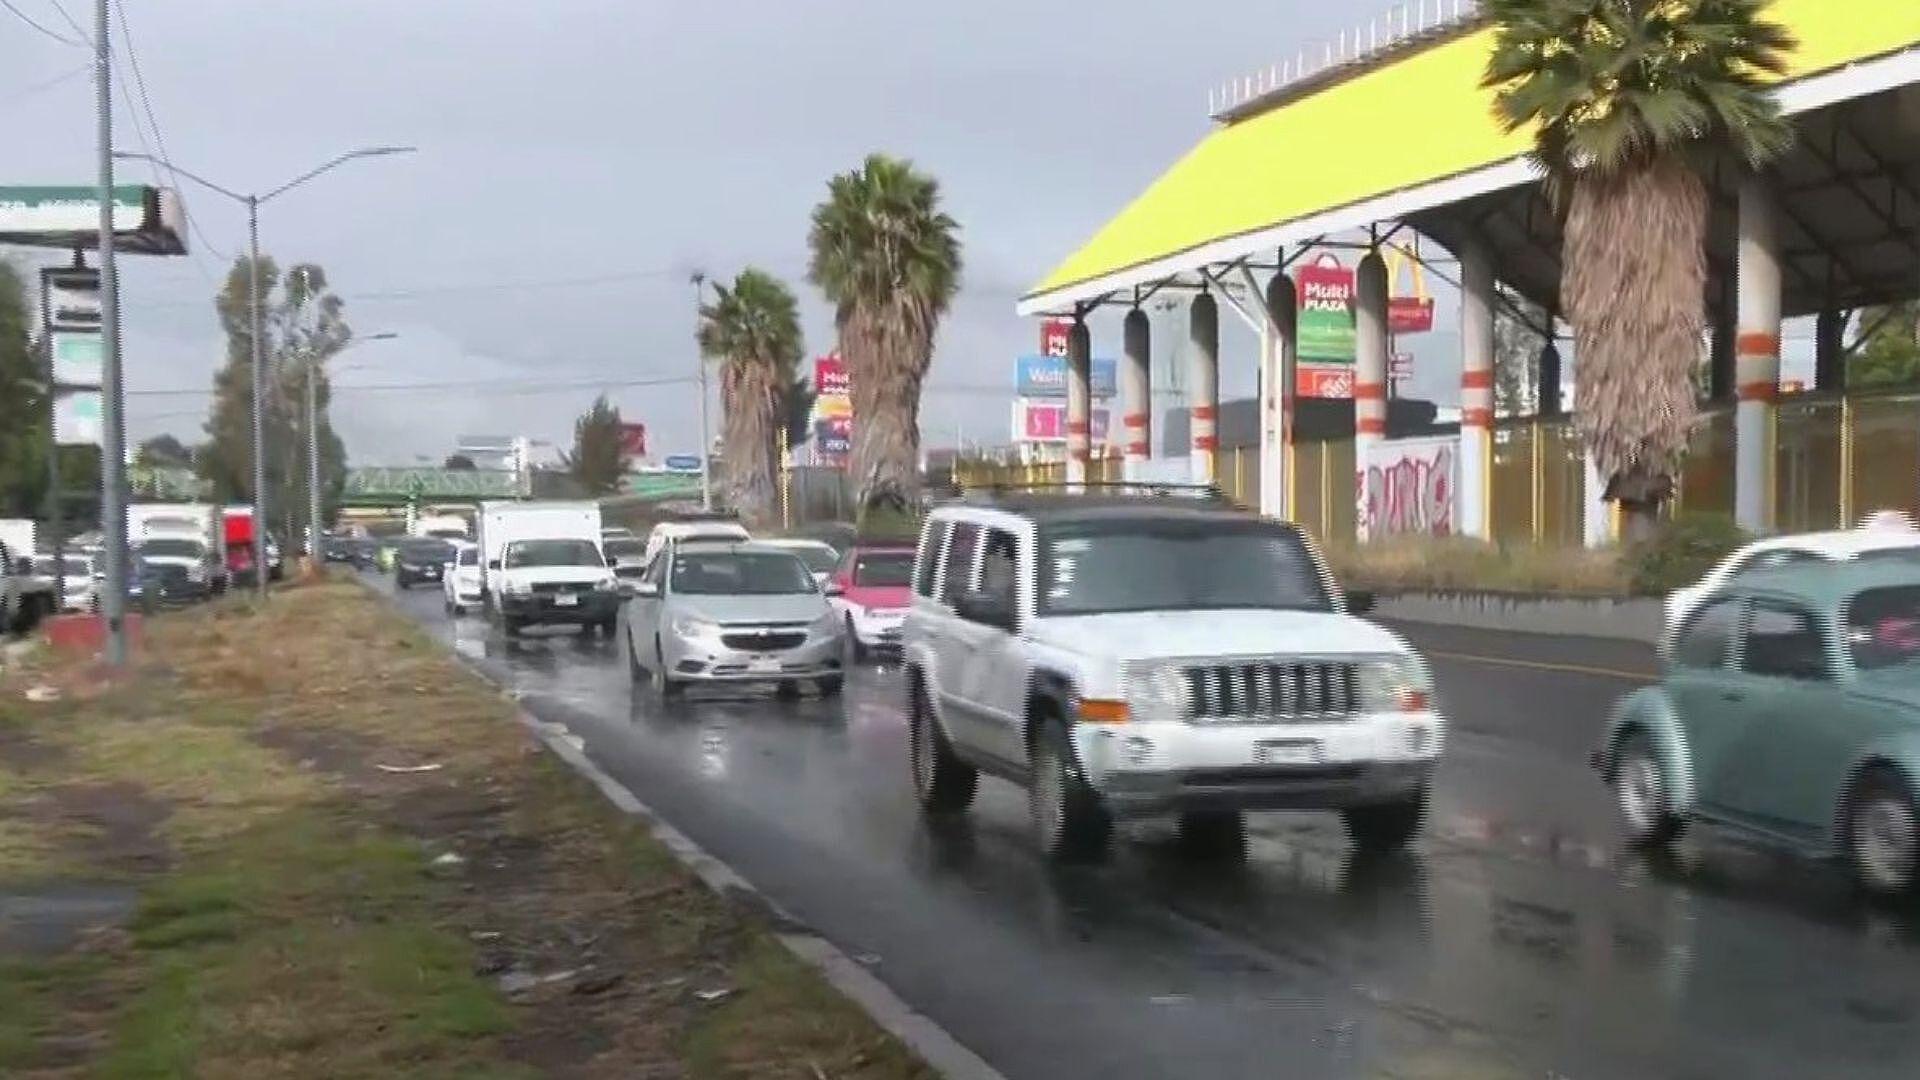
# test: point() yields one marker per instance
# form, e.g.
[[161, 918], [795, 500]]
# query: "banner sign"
[[1410, 487], [633, 440], [1054, 335], [1324, 381], [1409, 314], [1325, 322], [78, 358], [1046, 422], [76, 351], [1046, 377], [684, 463]]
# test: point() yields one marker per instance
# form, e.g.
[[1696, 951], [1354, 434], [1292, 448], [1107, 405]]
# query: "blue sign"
[[1046, 377], [682, 462]]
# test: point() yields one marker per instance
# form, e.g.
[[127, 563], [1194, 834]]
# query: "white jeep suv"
[[1135, 657]]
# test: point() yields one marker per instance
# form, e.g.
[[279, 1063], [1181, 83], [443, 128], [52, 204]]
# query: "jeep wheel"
[[1640, 791], [1881, 833], [944, 783], [1069, 824], [1385, 826], [1214, 833]]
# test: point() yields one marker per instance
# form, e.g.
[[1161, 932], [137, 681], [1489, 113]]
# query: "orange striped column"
[[1756, 362], [1079, 402], [1369, 381], [1476, 389], [1136, 391], [1203, 386], [1279, 385]]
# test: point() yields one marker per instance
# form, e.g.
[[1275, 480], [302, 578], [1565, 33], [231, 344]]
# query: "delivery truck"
[[541, 564]]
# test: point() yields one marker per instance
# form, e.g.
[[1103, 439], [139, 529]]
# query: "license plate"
[[763, 664], [566, 599], [1286, 752]]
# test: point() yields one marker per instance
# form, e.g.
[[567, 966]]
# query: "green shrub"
[[1680, 551]]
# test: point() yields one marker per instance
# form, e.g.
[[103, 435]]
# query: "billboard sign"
[[633, 440], [77, 418], [1046, 377], [69, 209], [1409, 314], [1046, 422], [833, 438], [682, 463], [1325, 322], [1324, 381], [78, 358], [830, 378], [1054, 335]]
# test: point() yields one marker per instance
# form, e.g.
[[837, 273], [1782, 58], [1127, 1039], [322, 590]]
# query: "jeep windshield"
[[1141, 564]]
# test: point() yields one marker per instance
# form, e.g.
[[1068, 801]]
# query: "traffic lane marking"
[[1547, 665]]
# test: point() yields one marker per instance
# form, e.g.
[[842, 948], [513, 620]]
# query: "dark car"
[[420, 559], [339, 549]]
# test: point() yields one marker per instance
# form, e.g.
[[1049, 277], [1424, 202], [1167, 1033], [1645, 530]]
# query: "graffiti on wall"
[[1409, 486]]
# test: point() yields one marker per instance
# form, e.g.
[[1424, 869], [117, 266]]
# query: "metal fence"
[[1837, 458]]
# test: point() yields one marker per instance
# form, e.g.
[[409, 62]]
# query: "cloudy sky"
[[577, 158]]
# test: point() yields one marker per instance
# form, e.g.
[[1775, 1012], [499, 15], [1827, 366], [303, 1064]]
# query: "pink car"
[[875, 581]]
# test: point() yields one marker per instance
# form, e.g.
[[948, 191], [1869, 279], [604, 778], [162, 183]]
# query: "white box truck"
[[165, 531], [541, 564]]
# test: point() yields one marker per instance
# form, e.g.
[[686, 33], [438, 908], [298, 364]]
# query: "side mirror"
[[1360, 602], [493, 564], [985, 608], [646, 588]]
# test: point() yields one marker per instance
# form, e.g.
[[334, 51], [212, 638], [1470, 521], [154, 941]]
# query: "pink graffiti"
[[1411, 495]]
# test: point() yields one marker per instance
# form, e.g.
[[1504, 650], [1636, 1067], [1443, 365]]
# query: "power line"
[[500, 386], [68, 19], [25, 18], [159, 140], [405, 293], [40, 87]]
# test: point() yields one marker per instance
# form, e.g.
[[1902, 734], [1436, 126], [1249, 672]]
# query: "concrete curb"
[[1631, 619], [933, 1043]]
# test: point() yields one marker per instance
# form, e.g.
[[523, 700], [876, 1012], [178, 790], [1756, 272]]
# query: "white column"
[[1079, 401], [1476, 389], [1203, 386], [1279, 363], [1369, 377], [1136, 391], [1756, 356]]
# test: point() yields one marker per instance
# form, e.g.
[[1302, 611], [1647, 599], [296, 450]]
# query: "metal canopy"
[[1849, 196]]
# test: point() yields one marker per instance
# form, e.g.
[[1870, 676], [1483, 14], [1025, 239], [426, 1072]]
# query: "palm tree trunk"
[[887, 363], [748, 425], [1634, 287]]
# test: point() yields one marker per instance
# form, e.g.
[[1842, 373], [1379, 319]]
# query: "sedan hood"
[[555, 575], [785, 607], [1152, 635], [879, 597]]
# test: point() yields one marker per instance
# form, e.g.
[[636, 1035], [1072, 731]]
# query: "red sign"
[[1409, 314], [830, 378], [1324, 381], [633, 440], [1046, 421], [1054, 334]]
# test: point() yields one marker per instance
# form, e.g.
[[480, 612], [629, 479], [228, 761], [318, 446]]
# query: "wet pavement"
[[1517, 939]]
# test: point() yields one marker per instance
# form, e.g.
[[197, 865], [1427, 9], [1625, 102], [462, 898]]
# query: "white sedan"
[[1881, 536], [460, 579]]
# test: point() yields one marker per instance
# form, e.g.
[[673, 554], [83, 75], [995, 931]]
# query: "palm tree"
[[1627, 99], [889, 261], [753, 331]]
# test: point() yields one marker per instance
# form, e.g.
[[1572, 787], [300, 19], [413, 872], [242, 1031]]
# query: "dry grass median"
[[305, 842]]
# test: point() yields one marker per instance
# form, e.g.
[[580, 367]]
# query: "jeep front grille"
[[1296, 690]]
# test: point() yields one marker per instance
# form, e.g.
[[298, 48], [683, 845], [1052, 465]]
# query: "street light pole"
[[252, 203], [113, 457], [706, 440]]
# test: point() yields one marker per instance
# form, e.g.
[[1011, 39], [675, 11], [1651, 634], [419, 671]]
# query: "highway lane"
[[1517, 940]]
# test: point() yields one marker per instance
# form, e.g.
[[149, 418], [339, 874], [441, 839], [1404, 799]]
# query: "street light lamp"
[[313, 442], [252, 203]]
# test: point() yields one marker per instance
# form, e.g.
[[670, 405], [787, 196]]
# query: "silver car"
[[717, 611]]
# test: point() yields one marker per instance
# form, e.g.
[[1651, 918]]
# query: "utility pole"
[[259, 399], [113, 457], [706, 440]]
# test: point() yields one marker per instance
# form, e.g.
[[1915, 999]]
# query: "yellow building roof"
[[1411, 124]]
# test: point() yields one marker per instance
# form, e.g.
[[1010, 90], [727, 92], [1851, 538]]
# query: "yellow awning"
[[1420, 123]]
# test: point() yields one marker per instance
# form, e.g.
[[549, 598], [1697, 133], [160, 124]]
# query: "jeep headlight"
[[607, 584], [1158, 693], [1395, 684]]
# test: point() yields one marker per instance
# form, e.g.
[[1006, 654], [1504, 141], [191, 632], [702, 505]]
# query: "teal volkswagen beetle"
[[1789, 710]]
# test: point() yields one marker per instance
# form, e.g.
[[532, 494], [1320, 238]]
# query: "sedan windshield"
[[164, 548], [425, 551], [553, 553], [819, 558], [740, 574], [883, 569], [624, 548], [1148, 565], [1883, 627]]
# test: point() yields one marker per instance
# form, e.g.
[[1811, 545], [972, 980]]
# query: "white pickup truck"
[[541, 564]]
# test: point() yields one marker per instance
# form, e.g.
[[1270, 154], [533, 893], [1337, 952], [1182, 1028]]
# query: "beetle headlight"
[[1395, 684]]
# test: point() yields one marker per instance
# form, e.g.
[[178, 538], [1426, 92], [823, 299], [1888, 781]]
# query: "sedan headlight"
[[516, 588], [1397, 684], [607, 584], [1158, 694], [687, 626]]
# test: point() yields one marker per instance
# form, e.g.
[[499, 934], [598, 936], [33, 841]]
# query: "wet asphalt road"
[[1518, 939]]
